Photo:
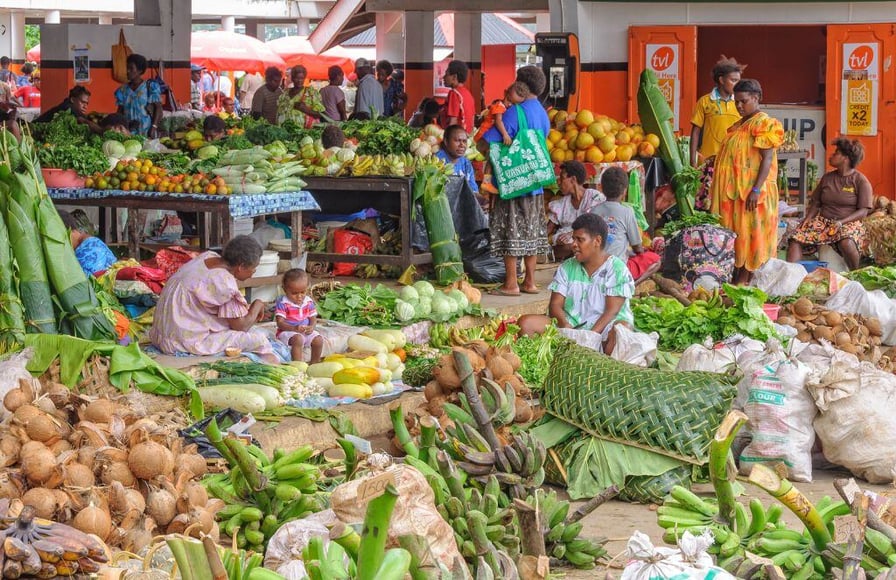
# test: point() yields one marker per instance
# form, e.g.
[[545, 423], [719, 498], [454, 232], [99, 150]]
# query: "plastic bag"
[[707, 357], [857, 426], [195, 433], [632, 347], [284, 550], [479, 263], [349, 242], [779, 278], [854, 299], [13, 370], [688, 562], [415, 514], [781, 412]]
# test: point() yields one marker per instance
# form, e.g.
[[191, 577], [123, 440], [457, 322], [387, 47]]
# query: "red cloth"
[[170, 260], [153, 277], [639, 263]]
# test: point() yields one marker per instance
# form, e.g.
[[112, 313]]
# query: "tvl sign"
[[809, 124]]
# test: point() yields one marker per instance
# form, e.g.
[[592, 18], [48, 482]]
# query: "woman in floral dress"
[[300, 104], [140, 101], [744, 187], [201, 310]]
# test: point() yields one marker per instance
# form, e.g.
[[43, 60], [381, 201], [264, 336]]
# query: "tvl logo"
[[662, 58], [861, 57]]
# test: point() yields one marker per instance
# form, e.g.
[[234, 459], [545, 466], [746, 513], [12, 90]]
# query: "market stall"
[[217, 212]]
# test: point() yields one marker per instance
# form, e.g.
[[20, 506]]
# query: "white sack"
[[779, 278], [687, 562]]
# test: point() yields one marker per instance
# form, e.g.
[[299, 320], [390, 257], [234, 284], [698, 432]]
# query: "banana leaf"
[[34, 289], [656, 117], [12, 314], [429, 189]]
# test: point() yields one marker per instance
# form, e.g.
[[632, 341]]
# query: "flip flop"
[[502, 292], [524, 291]]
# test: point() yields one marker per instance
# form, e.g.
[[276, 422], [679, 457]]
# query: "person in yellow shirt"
[[715, 112]]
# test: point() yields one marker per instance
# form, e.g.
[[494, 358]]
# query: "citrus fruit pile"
[[586, 137], [142, 175]]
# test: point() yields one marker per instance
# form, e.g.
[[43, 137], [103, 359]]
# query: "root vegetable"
[[523, 411], [15, 399], [823, 333], [10, 447], [24, 413], [842, 339], [193, 496], [87, 455], [519, 387], [432, 390], [436, 406], [445, 373], [513, 359], [161, 506], [178, 524], [93, 520], [42, 500], [60, 447], [873, 326], [59, 394], [38, 463], [149, 460]]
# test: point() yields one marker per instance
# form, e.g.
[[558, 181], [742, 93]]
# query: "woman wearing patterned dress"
[[300, 104], [744, 187], [140, 100]]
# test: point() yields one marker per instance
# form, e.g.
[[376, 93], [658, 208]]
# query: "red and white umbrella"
[[296, 50], [228, 51], [33, 55]]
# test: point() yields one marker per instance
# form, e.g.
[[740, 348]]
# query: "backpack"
[[700, 256]]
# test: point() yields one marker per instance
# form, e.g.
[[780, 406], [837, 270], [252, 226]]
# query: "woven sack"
[[120, 54], [671, 413], [648, 489]]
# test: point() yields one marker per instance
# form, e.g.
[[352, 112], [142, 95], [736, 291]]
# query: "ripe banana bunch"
[[34, 546], [562, 539], [367, 271], [490, 330], [362, 165], [393, 165]]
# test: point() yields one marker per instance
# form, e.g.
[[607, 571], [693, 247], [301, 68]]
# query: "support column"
[[17, 36], [228, 23], [303, 26], [390, 38], [543, 22], [255, 29], [53, 17], [468, 48], [104, 20], [418, 65]]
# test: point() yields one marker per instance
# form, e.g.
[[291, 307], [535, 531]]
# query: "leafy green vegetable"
[[535, 352], [173, 163], [679, 327], [380, 136], [262, 133], [85, 160], [876, 278], [697, 219], [359, 305]]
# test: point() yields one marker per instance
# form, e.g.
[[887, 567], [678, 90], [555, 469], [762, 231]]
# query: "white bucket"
[[267, 266]]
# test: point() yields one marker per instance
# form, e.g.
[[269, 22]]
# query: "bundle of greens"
[[536, 353], [699, 218], [359, 305], [681, 326], [380, 136], [875, 278], [68, 144]]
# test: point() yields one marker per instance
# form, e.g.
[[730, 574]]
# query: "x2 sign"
[[859, 88]]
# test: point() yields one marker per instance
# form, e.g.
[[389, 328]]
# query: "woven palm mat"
[[671, 413], [880, 232]]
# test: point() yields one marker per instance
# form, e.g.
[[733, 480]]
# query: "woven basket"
[[880, 231], [648, 489], [671, 413], [319, 291]]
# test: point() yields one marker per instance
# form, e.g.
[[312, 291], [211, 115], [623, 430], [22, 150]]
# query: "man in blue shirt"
[[454, 146]]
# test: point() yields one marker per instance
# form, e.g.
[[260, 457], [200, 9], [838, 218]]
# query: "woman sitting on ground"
[[839, 204], [562, 212], [201, 310]]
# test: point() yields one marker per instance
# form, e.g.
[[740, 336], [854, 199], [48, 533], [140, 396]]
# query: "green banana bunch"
[[562, 539], [499, 403], [439, 335]]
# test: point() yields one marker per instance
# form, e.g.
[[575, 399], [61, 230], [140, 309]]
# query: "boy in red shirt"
[[459, 105]]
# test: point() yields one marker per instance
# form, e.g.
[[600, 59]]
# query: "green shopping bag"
[[524, 165]]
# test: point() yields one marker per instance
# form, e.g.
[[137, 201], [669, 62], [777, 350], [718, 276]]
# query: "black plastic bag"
[[479, 263], [195, 433]]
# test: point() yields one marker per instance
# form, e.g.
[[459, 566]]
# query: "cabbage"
[[113, 163], [404, 311], [112, 148], [423, 308], [441, 304], [345, 155], [424, 288], [132, 147], [409, 294], [459, 298], [277, 149], [306, 140], [207, 152]]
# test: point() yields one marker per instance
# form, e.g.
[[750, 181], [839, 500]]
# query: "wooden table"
[[216, 212], [388, 195]]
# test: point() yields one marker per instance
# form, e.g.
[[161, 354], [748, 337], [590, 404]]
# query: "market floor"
[[617, 520]]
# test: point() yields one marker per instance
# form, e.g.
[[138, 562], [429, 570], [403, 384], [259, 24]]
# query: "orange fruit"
[[584, 118], [126, 186], [554, 135], [610, 156], [653, 140], [211, 189], [625, 152], [594, 155], [596, 130], [88, 183], [584, 140], [570, 155], [558, 155], [607, 144], [646, 149], [622, 137], [580, 155]]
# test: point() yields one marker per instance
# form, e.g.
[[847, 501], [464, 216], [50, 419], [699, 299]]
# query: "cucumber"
[[234, 397]]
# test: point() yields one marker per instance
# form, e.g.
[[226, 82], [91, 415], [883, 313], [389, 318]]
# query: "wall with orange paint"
[[603, 92], [499, 66]]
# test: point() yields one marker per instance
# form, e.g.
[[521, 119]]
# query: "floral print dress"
[[735, 171], [193, 310], [135, 101], [286, 106]]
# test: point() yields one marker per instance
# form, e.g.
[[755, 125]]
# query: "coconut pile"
[[858, 335], [94, 464], [499, 365]]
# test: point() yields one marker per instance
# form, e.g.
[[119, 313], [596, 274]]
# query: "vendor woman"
[[839, 204], [201, 310], [590, 291]]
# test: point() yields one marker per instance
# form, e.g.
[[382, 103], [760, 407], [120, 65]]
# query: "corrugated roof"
[[496, 29]]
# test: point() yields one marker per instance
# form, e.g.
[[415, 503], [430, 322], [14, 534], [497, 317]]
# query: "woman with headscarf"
[[745, 187]]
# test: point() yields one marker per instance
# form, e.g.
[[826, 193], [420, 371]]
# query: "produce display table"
[[347, 195], [216, 212]]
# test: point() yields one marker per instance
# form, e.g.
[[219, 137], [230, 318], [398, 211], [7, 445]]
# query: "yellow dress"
[[736, 170]]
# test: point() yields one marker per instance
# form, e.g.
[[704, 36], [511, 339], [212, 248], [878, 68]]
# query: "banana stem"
[[419, 549], [351, 457], [216, 566], [213, 432], [246, 464], [795, 501], [427, 437], [468, 381], [346, 537], [376, 530], [402, 433], [720, 473]]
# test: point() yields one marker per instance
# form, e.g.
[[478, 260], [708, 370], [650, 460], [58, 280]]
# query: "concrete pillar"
[[53, 17], [303, 26], [468, 48], [564, 16], [543, 22], [418, 65], [255, 29], [390, 38], [228, 23], [17, 36], [104, 20], [151, 12]]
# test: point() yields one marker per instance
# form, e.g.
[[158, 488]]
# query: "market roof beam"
[[457, 5]]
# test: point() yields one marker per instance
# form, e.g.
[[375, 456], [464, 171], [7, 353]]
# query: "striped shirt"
[[264, 102], [586, 296]]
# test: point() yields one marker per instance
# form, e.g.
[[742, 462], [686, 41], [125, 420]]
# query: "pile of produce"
[[375, 359], [501, 388], [883, 206], [382, 306], [67, 144], [851, 333], [260, 494], [250, 387], [875, 278], [99, 467], [584, 136], [142, 175], [681, 326]]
